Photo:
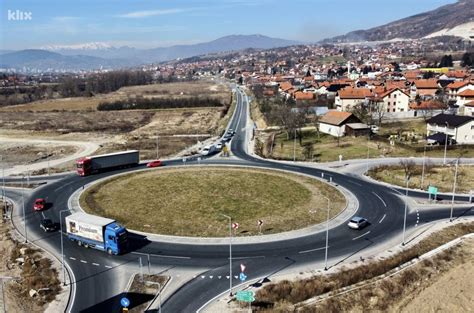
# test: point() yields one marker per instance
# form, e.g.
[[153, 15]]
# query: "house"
[[395, 100], [464, 97], [424, 88], [303, 96], [455, 127], [427, 108], [348, 97], [334, 122], [469, 109], [456, 87]]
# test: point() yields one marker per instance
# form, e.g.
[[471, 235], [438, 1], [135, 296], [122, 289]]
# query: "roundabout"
[[190, 201]]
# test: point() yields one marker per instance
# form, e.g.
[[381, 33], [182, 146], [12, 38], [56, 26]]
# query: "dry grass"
[[293, 292], [439, 176], [187, 202], [20, 153]]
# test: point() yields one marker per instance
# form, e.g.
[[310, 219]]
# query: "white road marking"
[[72, 258], [42, 214], [383, 217], [249, 257], [96, 264], [203, 276], [311, 250], [108, 266], [163, 256], [83, 261], [211, 277], [380, 199], [361, 235], [355, 183]]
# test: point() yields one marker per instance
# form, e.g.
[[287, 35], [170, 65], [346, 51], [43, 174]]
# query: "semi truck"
[[97, 163], [97, 232]]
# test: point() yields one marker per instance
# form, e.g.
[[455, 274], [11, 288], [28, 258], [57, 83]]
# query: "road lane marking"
[[72, 258], [355, 183], [96, 264], [108, 266], [42, 214], [249, 257], [83, 261], [311, 250], [380, 199], [361, 235], [383, 217], [163, 256]]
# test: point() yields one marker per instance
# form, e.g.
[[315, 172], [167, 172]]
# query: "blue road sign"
[[125, 302], [242, 277]]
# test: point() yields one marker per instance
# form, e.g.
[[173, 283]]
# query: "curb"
[[352, 205]]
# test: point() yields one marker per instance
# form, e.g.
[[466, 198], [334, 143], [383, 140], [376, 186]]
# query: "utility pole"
[[157, 149], [23, 206], [445, 143], [47, 155], [423, 169], [454, 190], [294, 147], [368, 152], [230, 252], [406, 208], [327, 239], [62, 245]]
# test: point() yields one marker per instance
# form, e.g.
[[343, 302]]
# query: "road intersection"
[[201, 270]]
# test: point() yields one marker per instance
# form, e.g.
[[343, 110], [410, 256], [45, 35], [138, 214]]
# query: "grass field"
[[188, 202], [326, 149], [439, 176]]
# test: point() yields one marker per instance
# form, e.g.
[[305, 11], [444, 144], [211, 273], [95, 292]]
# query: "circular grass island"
[[190, 201]]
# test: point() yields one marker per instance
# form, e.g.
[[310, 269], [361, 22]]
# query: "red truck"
[[97, 163]]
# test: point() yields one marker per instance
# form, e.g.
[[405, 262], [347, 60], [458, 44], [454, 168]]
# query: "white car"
[[206, 150], [219, 146], [358, 222]]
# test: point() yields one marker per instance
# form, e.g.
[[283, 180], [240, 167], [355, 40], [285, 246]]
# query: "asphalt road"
[[98, 277]]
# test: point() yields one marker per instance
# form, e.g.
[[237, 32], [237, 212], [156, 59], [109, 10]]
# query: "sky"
[[160, 23]]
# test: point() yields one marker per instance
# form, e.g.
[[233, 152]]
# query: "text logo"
[[17, 15]]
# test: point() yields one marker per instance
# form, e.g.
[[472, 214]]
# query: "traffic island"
[[144, 290], [192, 201]]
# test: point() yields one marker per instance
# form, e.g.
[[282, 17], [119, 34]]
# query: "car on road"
[[39, 204], [206, 150], [219, 146], [155, 163], [48, 225], [358, 222]]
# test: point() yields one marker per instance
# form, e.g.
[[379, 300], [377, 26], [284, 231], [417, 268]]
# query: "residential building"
[[348, 97], [334, 122], [456, 127]]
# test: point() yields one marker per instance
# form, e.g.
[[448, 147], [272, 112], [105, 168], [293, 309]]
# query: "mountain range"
[[455, 19], [95, 55]]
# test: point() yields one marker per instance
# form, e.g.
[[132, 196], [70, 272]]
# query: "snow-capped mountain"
[[82, 46]]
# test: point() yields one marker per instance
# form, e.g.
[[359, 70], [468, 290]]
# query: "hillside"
[[453, 19]]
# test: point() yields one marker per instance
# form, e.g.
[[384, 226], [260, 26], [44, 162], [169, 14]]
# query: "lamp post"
[[327, 238], [454, 190], [47, 155], [23, 207], [230, 252], [423, 169], [157, 138], [294, 147], [445, 143], [406, 208], [368, 152], [62, 246]]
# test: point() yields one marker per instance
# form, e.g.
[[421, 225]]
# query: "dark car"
[[48, 225]]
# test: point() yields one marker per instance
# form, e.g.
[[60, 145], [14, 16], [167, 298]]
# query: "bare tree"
[[379, 111], [408, 166]]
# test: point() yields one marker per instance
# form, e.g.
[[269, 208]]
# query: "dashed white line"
[[108, 266], [355, 183], [311, 250], [42, 214], [249, 257], [72, 258], [163, 256], [361, 235], [383, 217], [385, 205], [96, 264], [83, 261]]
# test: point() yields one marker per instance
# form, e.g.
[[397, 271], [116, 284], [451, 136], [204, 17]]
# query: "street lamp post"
[[423, 169], [23, 207], [454, 190], [406, 208], [230, 252], [47, 155], [327, 239], [62, 246], [368, 152], [294, 147], [445, 143], [157, 138]]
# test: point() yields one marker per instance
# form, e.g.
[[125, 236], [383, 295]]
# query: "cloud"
[[65, 18], [149, 13]]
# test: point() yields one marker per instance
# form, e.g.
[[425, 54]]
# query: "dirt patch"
[[439, 176], [35, 282], [20, 153], [188, 202]]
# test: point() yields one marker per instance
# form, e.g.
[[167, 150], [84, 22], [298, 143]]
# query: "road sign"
[[242, 277], [235, 225], [245, 296], [125, 302], [259, 223], [242, 268], [432, 190]]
